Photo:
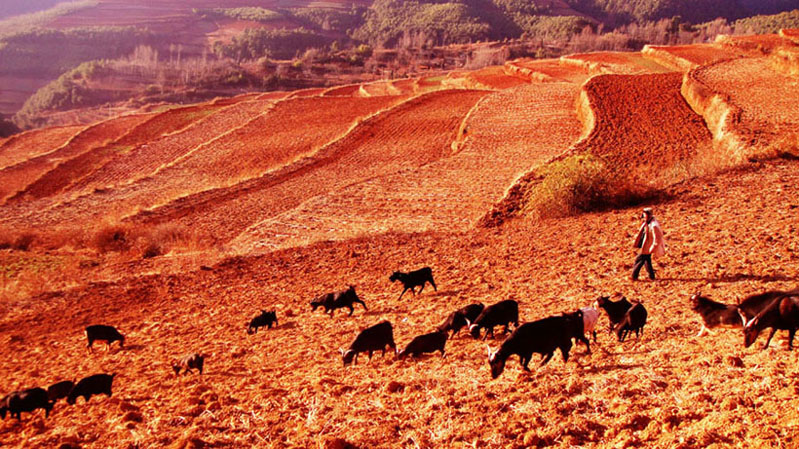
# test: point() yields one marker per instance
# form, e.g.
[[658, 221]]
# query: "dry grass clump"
[[146, 242], [786, 61], [576, 184], [16, 240]]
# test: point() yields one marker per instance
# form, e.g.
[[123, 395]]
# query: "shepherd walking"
[[650, 242]]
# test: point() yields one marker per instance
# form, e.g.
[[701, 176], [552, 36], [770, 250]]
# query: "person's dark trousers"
[[640, 261]]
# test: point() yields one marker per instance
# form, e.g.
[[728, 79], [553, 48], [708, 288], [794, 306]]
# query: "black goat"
[[716, 314], [264, 319], [426, 343], [614, 310], [502, 313], [754, 304], [25, 401], [338, 300], [577, 321], [369, 340], [542, 337], [59, 390], [633, 320], [108, 334], [189, 362], [461, 318], [90, 386], [414, 279], [781, 314]]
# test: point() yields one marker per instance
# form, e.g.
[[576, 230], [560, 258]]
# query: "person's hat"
[[648, 210]]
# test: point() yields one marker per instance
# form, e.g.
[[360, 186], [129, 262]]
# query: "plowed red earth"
[[508, 133], [286, 387], [765, 43], [685, 57], [352, 90], [15, 178], [643, 124], [291, 129], [624, 63], [495, 78], [768, 99], [28, 145], [406, 137], [547, 70]]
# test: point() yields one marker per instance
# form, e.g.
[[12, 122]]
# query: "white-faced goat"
[[370, 340], [338, 300], [781, 314], [264, 319], [423, 344], [461, 318], [541, 337], [502, 313], [101, 332], [414, 279], [614, 310], [633, 320], [716, 314]]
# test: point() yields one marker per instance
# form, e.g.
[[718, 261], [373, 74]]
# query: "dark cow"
[[189, 362], [414, 279], [101, 332], [338, 300], [423, 344], [541, 337], [60, 390], [461, 318], [90, 386], [25, 401], [781, 314], [633, 320], [502, 313], [264, 319], [371, 339]]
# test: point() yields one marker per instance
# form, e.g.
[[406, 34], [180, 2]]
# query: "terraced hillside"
[[21, 147]]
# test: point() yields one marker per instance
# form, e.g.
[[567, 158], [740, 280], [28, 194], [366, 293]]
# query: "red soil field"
[[790, 33], [759, 44], [747, 98], [378, 88], [405, 86], [615, 62], [31, 144], [19, 176], [289, 130], [407, 136], [686, 57], [350, 90], [547, 70], [507, 133], [494, 77], [643, 125], [312, 92], [286, 386]]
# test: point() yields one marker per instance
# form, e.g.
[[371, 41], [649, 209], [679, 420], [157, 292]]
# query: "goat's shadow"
[[738, 277], [133, 348], [595, 369], [286, 325]]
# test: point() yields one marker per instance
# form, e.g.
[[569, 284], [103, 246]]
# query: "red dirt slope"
[[406, 137], [31, 144], [547, 70], [614, 62], [686, 57], [507, 133]]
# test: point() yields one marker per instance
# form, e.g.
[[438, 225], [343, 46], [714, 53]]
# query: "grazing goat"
[[371, 339], [90, 386], [338, 300], [460, 318], [714, 314], [25, 401], [189, 362], [577, 318], [614, 310], [101, 332], [264, 319], [633, 320], [541, 337], [414, 279], [60, 390], [426, 343], [754, 304], [781, 314], [501, 313]]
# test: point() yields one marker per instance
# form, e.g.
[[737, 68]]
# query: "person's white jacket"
[[653, 241]]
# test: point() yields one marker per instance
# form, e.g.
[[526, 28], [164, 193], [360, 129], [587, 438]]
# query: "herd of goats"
[[777, 310]]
